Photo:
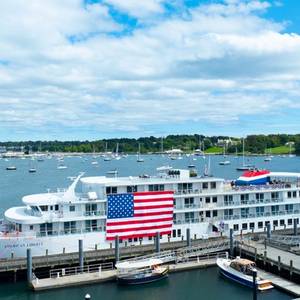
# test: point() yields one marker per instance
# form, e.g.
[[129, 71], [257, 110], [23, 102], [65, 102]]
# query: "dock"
[[68, 277], [281, 283]]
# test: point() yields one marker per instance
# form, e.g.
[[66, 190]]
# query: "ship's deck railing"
[[188, 191], [70, 231], [94, 268], [263, 214], [262, 187]]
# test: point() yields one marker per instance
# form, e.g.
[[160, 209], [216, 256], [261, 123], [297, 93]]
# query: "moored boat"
[[241, 270], [141, 272]]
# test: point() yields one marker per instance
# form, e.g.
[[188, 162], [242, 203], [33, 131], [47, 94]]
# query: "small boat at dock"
[[141, 272], [241, 270]]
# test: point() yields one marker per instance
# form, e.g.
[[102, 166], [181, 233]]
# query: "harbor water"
[[198, 284]]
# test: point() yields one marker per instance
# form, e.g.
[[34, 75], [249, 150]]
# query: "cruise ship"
[[52, 223]]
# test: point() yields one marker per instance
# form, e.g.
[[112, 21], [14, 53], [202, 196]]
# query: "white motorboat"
[[241, 270]]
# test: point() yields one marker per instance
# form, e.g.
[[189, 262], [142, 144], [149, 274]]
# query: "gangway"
[[203, 249], [184, 253], [286, 240]]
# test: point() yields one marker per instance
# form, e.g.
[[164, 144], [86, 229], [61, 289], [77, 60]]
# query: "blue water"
[[200, 284]]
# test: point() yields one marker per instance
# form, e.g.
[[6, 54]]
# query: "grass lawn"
[[214, 150], [280, 150]]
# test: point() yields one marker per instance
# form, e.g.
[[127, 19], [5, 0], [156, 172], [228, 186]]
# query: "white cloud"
[[222, 63], [137, 8]]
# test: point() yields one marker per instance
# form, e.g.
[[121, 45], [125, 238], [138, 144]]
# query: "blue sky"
[[74, 69]]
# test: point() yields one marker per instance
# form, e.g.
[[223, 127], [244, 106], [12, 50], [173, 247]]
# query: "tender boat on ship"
[[53, 222], [141, 272], [241, 270]]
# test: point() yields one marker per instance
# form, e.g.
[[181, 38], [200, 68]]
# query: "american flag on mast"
[[139, 214]]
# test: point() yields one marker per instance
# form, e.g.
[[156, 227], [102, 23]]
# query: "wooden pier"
[[13, 266], [95, 274]]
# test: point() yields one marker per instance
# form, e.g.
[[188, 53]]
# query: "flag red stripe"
[[137, 222], [132, 236], [152, 193], [153, 206], [138, 229], [153, 200], [153, 213]]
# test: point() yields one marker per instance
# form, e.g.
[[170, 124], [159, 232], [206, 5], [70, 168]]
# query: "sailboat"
[[139, 158], [106, 156], [117, 156], [244, 167], [224, 162], [291, 155]]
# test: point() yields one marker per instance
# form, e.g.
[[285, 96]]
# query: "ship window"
[[266, 223], [179, 232], [244, 226], [228, 199], [289, 207], [150, 238], [275, 195], [275, 223], [31, 227], [111, 190], [251, 225], [129, 240], [72, 207], [244, 198], [207, 214], [213, 185], [289, 194], [214, 199], [156, 187], [44, 208], [294, 194], [132, 189], [135, 239], [282, 223], [290, 221], [207, 199], [185, 187], [188, 202], [56, 207], [51, 207], [215, 213], [174, 233], [205, 185], [260, 224], [236, 227], [259, 196]]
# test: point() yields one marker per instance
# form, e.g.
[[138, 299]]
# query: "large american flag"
[[140, 214]]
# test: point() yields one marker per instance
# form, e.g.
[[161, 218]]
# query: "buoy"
[[87, 297]]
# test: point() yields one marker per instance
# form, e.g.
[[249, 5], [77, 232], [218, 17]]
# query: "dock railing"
[[70, 271]]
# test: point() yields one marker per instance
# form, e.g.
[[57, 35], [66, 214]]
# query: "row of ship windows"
[[161, 187], [261, 224]]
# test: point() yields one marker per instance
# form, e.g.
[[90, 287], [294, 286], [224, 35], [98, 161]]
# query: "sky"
[[87, 69]]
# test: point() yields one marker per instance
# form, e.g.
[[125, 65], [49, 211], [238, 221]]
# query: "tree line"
[[188, 143]]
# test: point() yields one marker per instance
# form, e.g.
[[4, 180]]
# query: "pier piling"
[[80, 250], [295, 226], [268, 230], [29, 266], [188, 237], [254, 285], [157, 242], [231, 241], [117, 249]]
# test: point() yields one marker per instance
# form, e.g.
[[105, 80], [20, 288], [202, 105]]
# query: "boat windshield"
[[244, 266]]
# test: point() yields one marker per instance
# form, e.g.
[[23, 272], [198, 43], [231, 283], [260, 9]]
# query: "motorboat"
[[141, 272], [224, 163], [32, 170], [241, 271], [11, 168]]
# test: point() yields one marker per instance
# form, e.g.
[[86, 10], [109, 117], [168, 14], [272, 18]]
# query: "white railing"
[[94, 268], [70, 231], [94, 213]]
